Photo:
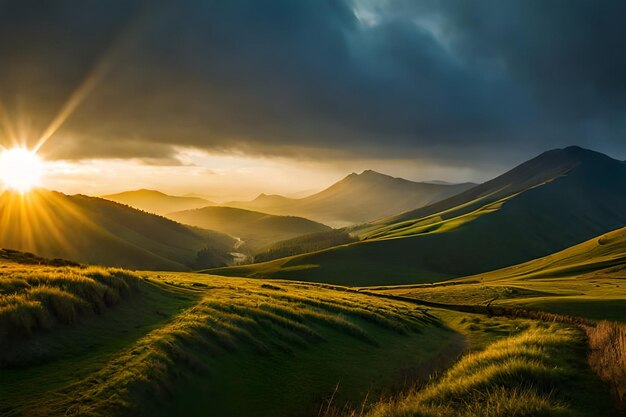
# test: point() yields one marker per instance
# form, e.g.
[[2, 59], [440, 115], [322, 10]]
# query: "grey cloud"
[[307, 78]]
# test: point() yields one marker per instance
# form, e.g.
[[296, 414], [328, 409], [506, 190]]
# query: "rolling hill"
[[114, 342], [605, 252], [157, 202], [107, 342], [257, 230], [583, 280], [556, 200], [357, 198], [98, 231]]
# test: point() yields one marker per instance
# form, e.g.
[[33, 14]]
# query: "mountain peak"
[[568, 158], [368, 174], [578, 152]]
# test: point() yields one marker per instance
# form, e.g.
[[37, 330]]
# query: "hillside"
[[216, 346], [605, 252], [257, 230], [306, 243], [157, 202], [357, 198], [556, 200], [98, 231], [584, 280], [164, 344]]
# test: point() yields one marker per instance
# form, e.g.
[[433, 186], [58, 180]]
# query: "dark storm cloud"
[[309, 78]]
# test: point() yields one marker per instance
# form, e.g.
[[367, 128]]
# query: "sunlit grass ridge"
[[37, 298], [530, 374], [242, 316]]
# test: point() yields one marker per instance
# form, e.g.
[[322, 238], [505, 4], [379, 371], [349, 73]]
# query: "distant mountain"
[[157, 202], [256, 229], [357, 198], [98, 231], [558, 199]]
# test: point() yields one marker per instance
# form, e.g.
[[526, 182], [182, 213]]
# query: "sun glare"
[[20, 169]]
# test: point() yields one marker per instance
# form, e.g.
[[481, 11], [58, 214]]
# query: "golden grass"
[[517, 376], [234, 315], [607, 358], [34, 298]]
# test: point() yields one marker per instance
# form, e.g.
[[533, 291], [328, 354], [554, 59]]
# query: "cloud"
[[313, 79]]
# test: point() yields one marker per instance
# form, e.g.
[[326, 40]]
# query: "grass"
[[51, 360], [34, 298], [190, 343], [608, 357], [587, 280], [305, 243], [539, 372]]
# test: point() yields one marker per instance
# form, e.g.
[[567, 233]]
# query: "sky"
[[232, 98]]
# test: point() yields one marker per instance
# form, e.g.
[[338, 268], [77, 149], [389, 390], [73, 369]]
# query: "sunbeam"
[[94, 77]]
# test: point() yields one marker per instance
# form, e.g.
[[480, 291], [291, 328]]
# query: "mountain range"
[[157, 202], [558, 199], [357, 198]]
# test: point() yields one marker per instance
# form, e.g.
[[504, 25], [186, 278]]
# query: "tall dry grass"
[[607, 341]]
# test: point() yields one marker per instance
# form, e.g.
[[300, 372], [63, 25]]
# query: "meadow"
[[539, 372], [36, 299], [211, 340], [120, 343]]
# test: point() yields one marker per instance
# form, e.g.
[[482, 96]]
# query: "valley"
[[305, 208], [202, 342]]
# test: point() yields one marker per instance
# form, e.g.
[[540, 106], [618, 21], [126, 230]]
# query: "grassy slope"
[[36, 299], [198, 340], [540, 372], [98, 231], [357, 198], [256, 229], [304, 244], [514, 218], [157, 202], [191, 344], [588, 279]]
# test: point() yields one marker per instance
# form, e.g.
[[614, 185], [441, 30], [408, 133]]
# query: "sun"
[[20, 169]]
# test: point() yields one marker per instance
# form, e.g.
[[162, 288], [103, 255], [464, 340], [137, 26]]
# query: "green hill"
[[157, 202], [584, 280], [606, 252], [194, 345], [561, 198], [89, 341], [257, 230], [306, 243], [98, 231], [357, 198]]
